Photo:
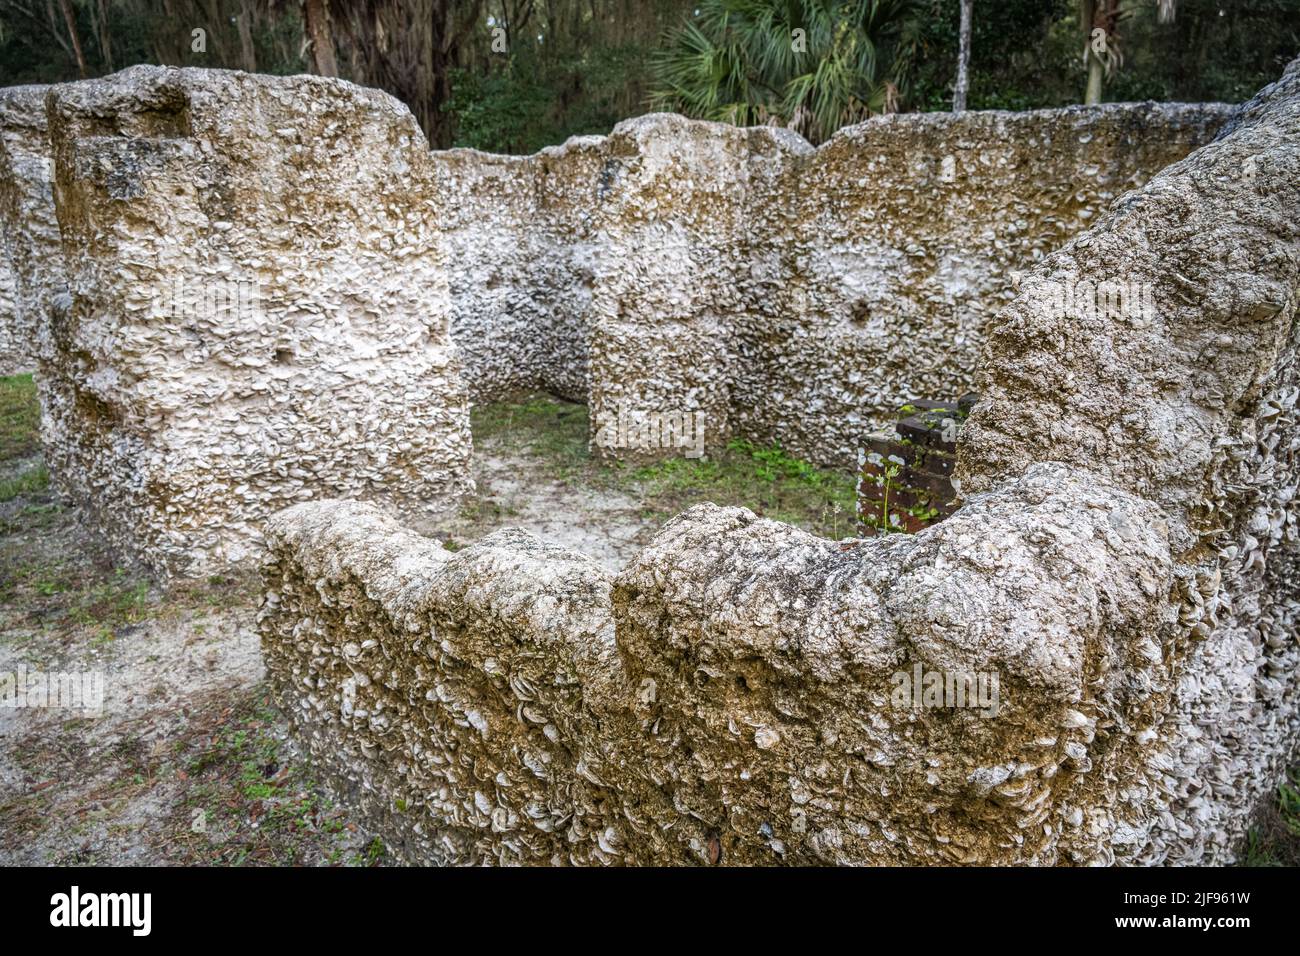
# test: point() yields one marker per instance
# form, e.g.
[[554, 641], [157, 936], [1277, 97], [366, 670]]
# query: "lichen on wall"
[[259, 310], [1123, 570]]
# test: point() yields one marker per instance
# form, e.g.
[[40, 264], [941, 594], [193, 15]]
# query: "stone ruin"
[[31, 274], [277, 294], [1120, 572], [789, 294], [258, 310]]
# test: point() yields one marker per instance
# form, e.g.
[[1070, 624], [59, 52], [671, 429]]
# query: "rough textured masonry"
[[259, 309], [788, 294], [31, 265], [265, 273], [1125, 566]]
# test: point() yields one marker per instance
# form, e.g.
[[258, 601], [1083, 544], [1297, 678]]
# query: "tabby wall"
[[520, 267], [1125, 566], [789, 294], [257, 319], [31, 272], [887, 253], [259, 310]]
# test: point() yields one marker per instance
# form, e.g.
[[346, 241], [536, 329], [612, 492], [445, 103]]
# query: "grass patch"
[[75, 593], [20, 417], [33, 481], [764, 479], [553, 430], [122, 599], [231, 792], [1275, 839], [249, 802]]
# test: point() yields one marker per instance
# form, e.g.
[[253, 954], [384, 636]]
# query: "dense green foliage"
[[515, 75], [533, 102], [1028, 54], [808, 65]]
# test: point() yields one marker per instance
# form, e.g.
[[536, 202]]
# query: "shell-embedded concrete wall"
[[884, 255], [13, 358], [31, 264], [259, 309], [520, 256], [261, 301], [1125, 565], [788, 294]]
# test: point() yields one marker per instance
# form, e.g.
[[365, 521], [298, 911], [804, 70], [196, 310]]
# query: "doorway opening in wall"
[[534, 469]]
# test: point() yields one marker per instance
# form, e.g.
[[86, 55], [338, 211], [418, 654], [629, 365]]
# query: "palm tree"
[[963, 58], [809, 65], [1102, 54]]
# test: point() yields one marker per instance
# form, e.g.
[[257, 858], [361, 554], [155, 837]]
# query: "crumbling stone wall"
[[790, 294], [234, 342], [1125, 564], [606, 269], [1192, 407], [520, 251], [13, 358], [892, 244], [259, 310], [669, 289], [31, 266]]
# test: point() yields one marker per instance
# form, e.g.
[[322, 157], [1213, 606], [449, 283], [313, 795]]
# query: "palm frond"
[[736, 60]]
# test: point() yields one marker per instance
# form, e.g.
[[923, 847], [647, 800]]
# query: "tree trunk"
[[71, 21], [963, 59], [245, 23], [212, 11], [105, 42], [1088, 16], [1092, 96], [322, 42]]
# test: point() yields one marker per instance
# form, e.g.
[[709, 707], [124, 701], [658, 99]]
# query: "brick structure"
[[905, 475]]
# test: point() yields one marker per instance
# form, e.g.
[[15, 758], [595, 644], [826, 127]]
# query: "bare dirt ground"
[[189, 762]]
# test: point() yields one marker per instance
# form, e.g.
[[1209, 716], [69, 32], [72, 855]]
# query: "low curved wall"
[[1122, 574]]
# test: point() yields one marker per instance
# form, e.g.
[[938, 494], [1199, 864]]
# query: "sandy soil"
[[188, 762], [607, 525]]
